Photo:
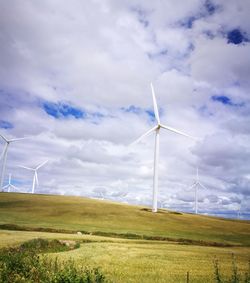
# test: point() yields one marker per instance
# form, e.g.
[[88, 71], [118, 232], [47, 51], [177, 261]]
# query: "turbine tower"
[[9, 185], [35, 177], [195, 185], [156, 129], [239, 211], [4, 156]]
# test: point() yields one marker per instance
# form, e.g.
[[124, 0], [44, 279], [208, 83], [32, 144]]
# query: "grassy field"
[[82, 214], [126, 260], [157, 262]]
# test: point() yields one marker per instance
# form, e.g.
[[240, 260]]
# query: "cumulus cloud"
[[75, 79]]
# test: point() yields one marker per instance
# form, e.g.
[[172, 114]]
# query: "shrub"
[[44, 246], [68, 273], [23, 264], [18, 265]]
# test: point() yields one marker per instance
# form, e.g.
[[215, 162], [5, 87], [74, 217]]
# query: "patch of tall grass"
[[235, 277]]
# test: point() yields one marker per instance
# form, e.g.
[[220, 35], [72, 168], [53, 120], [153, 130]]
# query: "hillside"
[[83, 214]]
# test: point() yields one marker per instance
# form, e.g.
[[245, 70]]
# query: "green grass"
[[82, 214]]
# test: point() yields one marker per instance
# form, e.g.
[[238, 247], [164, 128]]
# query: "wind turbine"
[[162, 203], [4, 156], [9, 185], [35, 178], [239, 211], [195, 185], [156, 129]]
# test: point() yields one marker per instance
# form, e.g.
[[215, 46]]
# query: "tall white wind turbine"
[[10, 185], [35, 177], [156, 129], [195, 185], [4, 156]]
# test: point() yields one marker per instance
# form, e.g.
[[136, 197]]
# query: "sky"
[[75, 78]]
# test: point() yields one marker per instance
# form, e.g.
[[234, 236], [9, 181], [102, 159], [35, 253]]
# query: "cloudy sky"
[[75, 78]]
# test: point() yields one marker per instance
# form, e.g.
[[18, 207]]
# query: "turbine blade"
[[14, 187], [28, 168], [193, 185], [144, 135], [203, 186], [176, 131], [3, 137], [155, 105], [6, 186], [18, 139], [39, 166]]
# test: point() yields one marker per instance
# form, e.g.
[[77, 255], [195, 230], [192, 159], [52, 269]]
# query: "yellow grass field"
[[124, 260]]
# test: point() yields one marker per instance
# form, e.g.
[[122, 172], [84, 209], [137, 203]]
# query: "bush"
[[23, 264], [44, 246], [18, 265], [68, 273]]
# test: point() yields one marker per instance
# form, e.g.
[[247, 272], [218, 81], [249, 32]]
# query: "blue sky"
[[75, 77]]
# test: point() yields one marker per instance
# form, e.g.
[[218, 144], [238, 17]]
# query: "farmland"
[[128, 243]]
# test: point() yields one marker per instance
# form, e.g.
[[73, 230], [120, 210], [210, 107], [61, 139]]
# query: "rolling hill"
[[72, 214]]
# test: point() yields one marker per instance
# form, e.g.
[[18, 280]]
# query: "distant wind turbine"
[[4, 156], [9, 185], [195, 185], [35, 177], [239, 211], [156, 129]]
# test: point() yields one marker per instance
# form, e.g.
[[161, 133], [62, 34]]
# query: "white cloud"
[[100, 56]]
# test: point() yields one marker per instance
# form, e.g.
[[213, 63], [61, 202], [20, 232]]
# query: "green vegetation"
[[44, 246], [72, 214], [23, 264]]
